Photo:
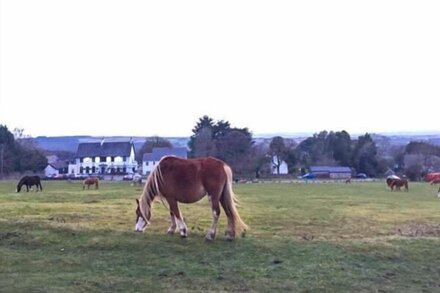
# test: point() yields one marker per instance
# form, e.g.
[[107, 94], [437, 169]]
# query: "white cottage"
[[104, 157], [150, 160], [284, 168]]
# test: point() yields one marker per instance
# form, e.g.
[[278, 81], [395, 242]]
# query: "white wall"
[[283, 167], [49, 170]]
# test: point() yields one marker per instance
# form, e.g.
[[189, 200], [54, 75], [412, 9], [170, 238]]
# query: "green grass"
[[302, 237]]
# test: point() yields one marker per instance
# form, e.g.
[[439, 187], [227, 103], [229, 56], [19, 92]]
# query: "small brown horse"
[[90, 181], [187, 181], [397, 183], [435, 181]]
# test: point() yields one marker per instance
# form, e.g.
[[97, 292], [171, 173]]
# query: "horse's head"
[[19, 185], [141, 217]]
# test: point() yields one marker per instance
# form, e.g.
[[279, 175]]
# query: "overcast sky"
[[155, 67]]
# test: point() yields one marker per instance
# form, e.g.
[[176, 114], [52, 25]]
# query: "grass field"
[[303, 237]]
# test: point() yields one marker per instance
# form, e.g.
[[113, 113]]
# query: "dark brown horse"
[[397, 183], [90, 181], [29, 181], [187, 181]]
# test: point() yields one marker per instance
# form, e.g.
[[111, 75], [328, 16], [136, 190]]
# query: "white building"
[[104, 157], [284, 168], [150, 160], [55, 166]]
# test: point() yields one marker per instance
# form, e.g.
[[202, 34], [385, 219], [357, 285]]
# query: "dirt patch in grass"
[[421, 230], [9, 235], [91, 201], [71, 218]]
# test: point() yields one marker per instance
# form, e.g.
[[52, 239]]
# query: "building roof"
[[59, 165], [329, 169], [158, 153], [104, 149]]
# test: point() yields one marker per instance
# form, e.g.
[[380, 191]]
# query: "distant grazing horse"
[[29, 181], [397, 183], [187, 181], [435, 181], [90, 181], [137, 179]]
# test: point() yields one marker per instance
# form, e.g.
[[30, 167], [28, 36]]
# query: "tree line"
[[248, 159], [18, 153], [237, 147]]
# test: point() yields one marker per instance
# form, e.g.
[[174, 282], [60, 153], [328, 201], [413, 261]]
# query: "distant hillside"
[[70, 143], [59, 143]]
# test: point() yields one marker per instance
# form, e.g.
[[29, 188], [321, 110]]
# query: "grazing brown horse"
[[90, 181], [187, 181], [435, 181], [397, 183]]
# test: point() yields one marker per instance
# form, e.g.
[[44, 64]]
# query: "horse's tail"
[[229, 200]]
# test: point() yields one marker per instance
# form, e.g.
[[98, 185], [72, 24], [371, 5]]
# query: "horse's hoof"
[[229, 235], [183, 236], [210, 237]]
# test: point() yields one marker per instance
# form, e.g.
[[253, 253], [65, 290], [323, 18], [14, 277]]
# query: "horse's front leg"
[[178, 217], [215, 208], [173, 225]]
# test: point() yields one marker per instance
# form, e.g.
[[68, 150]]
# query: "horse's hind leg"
[[179, 219], [230, 232], [173, 225], [215, 208]]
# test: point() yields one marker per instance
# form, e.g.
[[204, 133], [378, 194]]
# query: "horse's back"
[[192, 178], [192, 169]]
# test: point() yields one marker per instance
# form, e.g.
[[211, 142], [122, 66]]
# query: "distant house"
[[333, 172], [104, 157], [150, 160], [284, 168], [55, 168]]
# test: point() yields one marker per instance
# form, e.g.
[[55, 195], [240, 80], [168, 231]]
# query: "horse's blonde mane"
[[151, 189]]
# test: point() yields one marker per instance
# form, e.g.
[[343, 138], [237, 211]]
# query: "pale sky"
[[154, 67]]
